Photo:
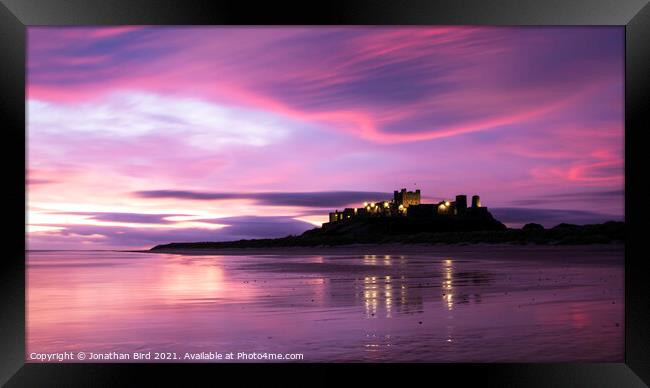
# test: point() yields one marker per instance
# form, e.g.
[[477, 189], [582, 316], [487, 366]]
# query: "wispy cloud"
[[102, 236], [382, 84], [138, 218], [517, 217], [322, 199], [572, 197], [132, 114]]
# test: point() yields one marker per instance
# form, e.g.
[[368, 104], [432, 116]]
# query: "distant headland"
[[406, 220]]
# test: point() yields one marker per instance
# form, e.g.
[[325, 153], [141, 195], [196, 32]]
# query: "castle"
[[407, 204]]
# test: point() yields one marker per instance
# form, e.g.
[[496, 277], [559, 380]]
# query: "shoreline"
[[351, 234], [594, 253]]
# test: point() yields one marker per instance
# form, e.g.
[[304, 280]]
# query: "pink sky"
[[146, 135]]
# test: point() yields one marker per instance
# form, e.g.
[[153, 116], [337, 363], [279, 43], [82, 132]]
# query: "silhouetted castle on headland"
[[405, 220], [407, 204]]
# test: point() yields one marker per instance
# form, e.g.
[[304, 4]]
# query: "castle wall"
[[408, 203], [422, 210], [348, 213]]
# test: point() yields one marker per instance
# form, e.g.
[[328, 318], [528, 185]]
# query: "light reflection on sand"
[[329, 307]]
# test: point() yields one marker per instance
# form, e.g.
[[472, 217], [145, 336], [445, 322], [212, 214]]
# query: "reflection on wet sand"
[[387, 295], [338, 308], [402, 292], [447, 284]]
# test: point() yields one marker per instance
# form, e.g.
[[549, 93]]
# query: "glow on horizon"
[[223, 126], [314, 220]]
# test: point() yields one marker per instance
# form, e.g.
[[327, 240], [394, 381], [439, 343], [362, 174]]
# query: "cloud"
[[136, 218], [516, 216], [325, 199], [606, 194], [246, 227], [199, 123], [383, 85], [101, 236], [580, 196], [36, 181]]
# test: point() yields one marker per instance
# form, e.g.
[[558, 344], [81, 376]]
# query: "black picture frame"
[[17, 15]]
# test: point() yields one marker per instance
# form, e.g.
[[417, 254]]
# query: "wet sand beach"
[[473, 303]]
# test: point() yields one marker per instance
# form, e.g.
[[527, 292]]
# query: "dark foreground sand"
[[397, 303], [576, 254]]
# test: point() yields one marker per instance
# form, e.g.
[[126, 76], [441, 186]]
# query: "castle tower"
[[461, 203], [406, 198], [476, 201]]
